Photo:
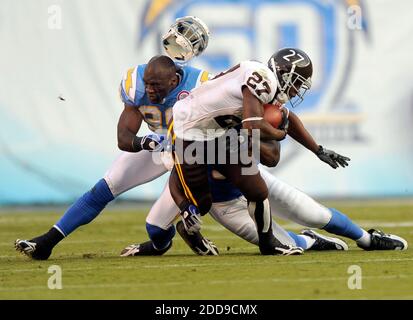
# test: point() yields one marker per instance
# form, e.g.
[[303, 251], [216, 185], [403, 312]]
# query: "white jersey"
[[212, 108]]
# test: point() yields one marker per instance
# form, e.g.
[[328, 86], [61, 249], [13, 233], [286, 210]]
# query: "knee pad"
[[160, 237]]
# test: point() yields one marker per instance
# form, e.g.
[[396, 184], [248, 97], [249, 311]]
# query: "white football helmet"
[[187, 38]]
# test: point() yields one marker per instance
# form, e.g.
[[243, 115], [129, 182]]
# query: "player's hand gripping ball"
[[276, 115]]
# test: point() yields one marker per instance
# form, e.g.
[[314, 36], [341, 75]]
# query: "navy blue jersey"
[[221, 188]]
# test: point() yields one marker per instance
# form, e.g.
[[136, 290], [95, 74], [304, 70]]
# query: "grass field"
[[92, 269]]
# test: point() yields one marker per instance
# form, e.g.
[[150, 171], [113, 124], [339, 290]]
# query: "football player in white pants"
[[148, 92], [230, 210]]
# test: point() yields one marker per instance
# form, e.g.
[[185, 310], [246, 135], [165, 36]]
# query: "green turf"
[[92, 268]]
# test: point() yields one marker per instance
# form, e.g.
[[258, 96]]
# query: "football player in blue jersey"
[[148, 92]]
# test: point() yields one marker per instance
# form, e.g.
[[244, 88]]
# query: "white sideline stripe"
[[229, 264], [211, 282]]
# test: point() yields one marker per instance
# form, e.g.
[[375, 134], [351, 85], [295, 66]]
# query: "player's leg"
[[159, 226], [234, 216], [192, 173], [127, 171], [292, 204], [255, 191]]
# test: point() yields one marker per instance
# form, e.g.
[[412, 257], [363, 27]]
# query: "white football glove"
[[191, 219]]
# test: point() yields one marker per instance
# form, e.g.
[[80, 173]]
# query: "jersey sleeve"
[[260, 81], [203, 77], [131, 88], [195, 77]]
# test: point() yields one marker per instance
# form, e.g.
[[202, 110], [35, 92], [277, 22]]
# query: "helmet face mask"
[[293, 70], [296, 87], [187, 38]]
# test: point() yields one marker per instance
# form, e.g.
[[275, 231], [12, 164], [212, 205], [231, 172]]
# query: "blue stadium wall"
[[61, 63]]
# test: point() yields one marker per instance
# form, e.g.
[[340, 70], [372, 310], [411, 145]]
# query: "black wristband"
[[136, 144]]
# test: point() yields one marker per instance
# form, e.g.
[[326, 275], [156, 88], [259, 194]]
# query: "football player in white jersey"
[[229, 207], [292, 204], [232, 98]]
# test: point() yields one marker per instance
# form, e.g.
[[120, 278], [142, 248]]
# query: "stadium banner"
[[61, 63]]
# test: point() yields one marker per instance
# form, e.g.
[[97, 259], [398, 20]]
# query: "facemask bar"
[[300, 86], [177, 47]]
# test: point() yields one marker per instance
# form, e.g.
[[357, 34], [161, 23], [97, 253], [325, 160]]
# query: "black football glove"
[[331, 158], [151, 142]]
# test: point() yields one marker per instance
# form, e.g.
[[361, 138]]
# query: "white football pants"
[[233, 215], [131, 169], [292, 204], [286, 202]]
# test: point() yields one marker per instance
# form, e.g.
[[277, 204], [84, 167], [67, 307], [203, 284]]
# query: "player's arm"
[[253, 118], [129, 124], [299, 133], [269, 153]]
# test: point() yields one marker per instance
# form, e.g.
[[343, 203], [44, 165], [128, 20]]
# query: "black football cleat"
[[143, 249], [196, 241], [323, 243], [32, 249], [383, 241], [270, 245]]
